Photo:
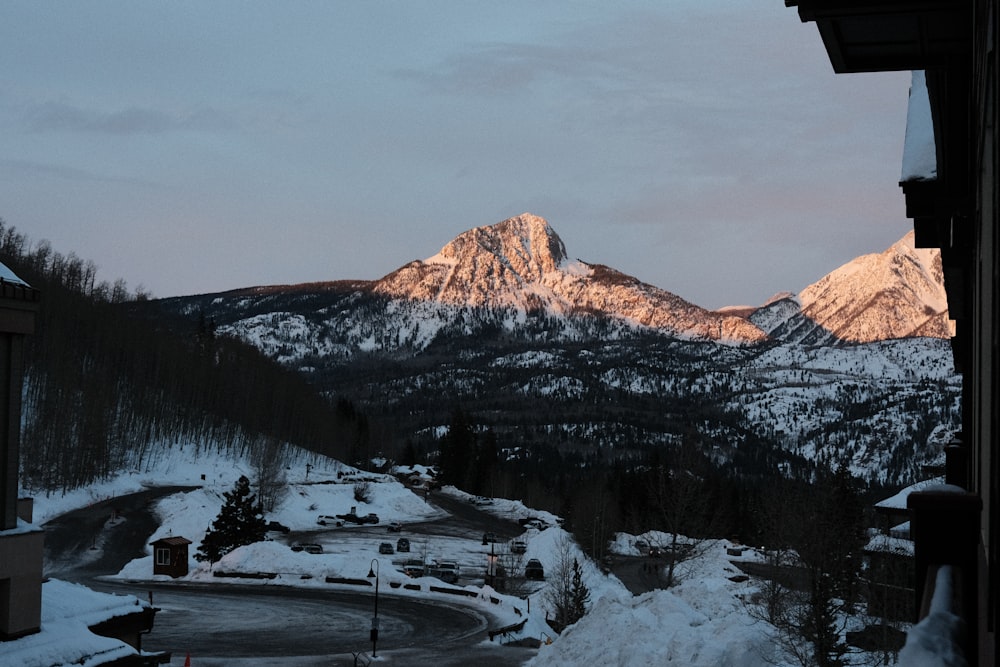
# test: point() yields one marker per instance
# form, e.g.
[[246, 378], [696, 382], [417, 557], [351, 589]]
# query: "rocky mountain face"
[[521, 263], [549, 351], [898, 293]]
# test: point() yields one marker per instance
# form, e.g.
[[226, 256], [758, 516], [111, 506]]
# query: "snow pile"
[[702, 621], [935, 640], [67, 611]]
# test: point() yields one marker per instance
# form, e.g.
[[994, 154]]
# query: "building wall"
[[987, 276], [20, 582], [10, 423]]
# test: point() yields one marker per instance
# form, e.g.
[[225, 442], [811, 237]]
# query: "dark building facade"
[[954, 209], [20, 542]]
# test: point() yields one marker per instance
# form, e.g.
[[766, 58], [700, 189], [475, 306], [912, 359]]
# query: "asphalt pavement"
[[231, 626]]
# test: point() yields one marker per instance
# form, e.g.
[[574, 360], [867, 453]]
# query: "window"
[[162, 556]]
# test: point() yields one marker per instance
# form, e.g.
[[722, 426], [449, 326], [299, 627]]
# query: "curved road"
[[225, 625]]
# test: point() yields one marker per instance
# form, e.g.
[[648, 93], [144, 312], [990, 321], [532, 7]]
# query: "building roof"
[[12, 287], [68, 612], [9, 276], [171, 542], [886, 35]]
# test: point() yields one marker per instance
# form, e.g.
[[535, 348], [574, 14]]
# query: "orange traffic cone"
[[187, 660]]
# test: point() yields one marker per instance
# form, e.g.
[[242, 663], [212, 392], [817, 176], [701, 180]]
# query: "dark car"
[[385, 548], [395, 527], [534, 570], [403, 545], [277, 527], [447, 572], [354, 518]]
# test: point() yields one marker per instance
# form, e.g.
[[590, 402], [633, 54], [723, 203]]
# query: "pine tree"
[[456, 449], [579, 594], [240, 522]]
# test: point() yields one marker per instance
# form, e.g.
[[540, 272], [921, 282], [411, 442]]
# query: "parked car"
[[308, 548], [534, 570], [403, 545], [446, 571], [537, 524], [354, 518], [385, 548], [327, 520], [413, 568], [482, 501], [395, 527], [518, 547], [277, 527]]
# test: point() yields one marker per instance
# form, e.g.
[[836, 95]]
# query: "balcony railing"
[[945, 530]]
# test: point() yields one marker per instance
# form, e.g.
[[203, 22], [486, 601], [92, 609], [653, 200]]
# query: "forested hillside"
[[107, 390]]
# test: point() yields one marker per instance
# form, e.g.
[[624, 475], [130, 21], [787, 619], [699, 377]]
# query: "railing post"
[[944, 524], [956, 464]]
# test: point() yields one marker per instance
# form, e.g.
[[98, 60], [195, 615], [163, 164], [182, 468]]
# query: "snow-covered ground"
[[701, 621]]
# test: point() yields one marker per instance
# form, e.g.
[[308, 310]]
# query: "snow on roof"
[[919, 151], [883, 543], [898, 501], [68, 610], [7, 275]]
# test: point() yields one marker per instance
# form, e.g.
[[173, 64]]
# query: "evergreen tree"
[[579, 594], [240, 522], [457, 448]]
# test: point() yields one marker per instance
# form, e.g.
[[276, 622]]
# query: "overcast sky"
[[703, 146]]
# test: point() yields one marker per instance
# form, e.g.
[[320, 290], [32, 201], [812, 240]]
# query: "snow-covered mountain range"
[[853, 370]]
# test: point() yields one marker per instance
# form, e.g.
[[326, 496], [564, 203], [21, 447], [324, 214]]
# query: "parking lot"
[[450, 548]]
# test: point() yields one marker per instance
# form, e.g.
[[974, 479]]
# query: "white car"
[[327, 520]]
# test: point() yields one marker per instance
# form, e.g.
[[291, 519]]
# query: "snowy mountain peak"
[[897, 293], [526, 244], [521, 263]]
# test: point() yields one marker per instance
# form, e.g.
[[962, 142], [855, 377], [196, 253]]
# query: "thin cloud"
[[62, 172], [62, 117]]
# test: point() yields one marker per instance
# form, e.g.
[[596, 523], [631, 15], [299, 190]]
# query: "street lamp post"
[[491, 565], [373, 574]]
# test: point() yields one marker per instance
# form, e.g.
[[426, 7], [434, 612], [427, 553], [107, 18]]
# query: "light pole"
[[373, 573], [491, 564]]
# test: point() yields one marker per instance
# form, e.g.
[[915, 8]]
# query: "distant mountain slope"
[[898, 293], [549, 351]]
